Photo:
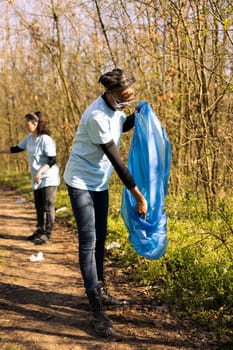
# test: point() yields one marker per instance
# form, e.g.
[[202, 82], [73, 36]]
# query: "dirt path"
[[43, 305]]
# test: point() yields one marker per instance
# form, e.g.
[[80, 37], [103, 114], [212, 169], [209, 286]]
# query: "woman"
[[93, 156], [44, 173]]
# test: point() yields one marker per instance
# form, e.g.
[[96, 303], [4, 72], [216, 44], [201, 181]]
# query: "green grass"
[[15, 347], [195, 277]]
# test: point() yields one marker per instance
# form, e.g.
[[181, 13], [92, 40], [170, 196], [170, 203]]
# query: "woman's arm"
[[13, 149], [129, 122], [49, 164], [5, 150], [113, 155]]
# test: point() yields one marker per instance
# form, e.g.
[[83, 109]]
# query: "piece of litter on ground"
[[113, 245], [21, 201], [37, 257], [61, 209]]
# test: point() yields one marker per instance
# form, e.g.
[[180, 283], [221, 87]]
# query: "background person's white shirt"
[[39, 149]]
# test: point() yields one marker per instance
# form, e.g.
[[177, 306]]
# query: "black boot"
[[43, 238], [35, 234], [102, 324], [107, 299]]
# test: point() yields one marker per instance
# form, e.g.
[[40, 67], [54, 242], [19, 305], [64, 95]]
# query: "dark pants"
[[44, 202], [90, 209]]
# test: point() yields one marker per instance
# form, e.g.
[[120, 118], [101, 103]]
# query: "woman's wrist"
[[137, 194]]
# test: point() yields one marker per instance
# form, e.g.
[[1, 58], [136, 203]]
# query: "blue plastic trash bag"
[[149, 163]]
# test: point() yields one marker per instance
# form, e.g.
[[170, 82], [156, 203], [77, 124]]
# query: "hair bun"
[[117, 79]]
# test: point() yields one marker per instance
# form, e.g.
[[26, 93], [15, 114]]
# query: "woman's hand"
[[37, 177], [41, 171], [141, 206]]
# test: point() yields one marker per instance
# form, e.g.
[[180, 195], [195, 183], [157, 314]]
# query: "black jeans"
[[45, 211], [90, 209]]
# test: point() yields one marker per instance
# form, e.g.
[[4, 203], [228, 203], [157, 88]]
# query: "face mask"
[[119, 105]]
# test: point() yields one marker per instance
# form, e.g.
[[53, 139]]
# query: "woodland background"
[[52, 53]]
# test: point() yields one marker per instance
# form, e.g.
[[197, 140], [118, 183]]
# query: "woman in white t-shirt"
[[45, 178], [87, 173]]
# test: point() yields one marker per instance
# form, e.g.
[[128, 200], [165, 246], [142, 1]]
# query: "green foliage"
[[196, 274], [188, 276], [117, 232], [62, 199], [14, 347], [19, 182], [63, 208], [196, 284]]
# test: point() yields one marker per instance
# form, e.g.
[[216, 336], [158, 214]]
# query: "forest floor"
[[43, 304]]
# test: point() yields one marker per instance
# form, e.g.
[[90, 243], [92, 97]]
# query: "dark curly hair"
[[117, 79]]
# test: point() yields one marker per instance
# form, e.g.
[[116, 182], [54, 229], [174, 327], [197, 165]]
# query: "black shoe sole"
[[42, 239], [116, 307], [40, 242], [33, 237], [104, 333]]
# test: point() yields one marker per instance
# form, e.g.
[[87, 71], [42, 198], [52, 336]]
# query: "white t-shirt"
[[39, 150], [88, 167]]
